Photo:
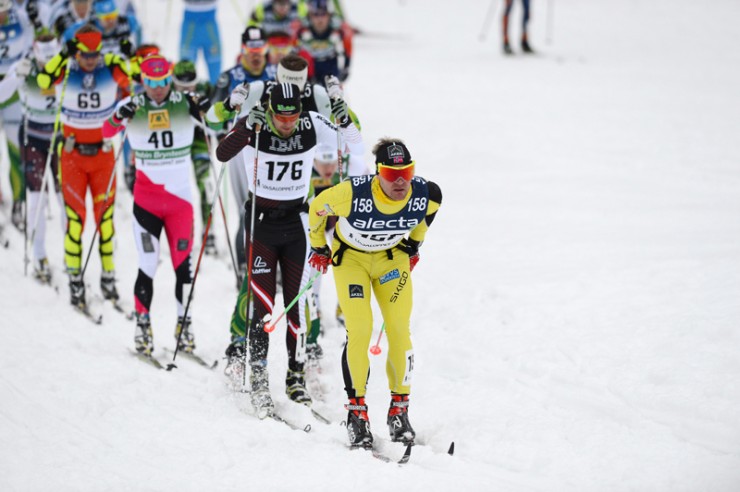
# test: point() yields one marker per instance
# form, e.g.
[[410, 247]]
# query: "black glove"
[[204, 104], [126, 111], [411, 248], [343, 74], [126, 47], [340, 111], [70, 48], [32, 9]]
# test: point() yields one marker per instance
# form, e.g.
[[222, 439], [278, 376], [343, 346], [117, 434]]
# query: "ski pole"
[[375, 349], [47, 166], [172, 365], [105, 201], [220, 202], [487, 22], [269, 327]]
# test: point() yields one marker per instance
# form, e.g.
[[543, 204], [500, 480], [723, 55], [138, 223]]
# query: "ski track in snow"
[[576, 316]]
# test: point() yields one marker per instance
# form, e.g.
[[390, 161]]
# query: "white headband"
[[285, 75]]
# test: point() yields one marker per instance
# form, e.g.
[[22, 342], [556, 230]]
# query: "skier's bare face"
[[281, 8], [81, 8], [326, 169], [88, 61], [319, 21]]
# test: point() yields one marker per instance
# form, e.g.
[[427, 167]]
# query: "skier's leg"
[[178, 224], [212, 49], [74, 181], [102, 166]]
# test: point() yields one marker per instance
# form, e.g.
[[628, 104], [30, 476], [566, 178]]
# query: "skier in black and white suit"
[[287, 144]]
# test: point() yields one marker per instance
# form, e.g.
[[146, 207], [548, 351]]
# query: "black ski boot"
[[358, 424], [77, 291], [186, 341], [525, 46], [295, 387], [143, 340], [42, 271], [16, 216], [507, 49], [398, 420], [260, 382], [108, 286]]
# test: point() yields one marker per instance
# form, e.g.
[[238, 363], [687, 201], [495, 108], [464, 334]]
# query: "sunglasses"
[[286, 118], [89, 55], [108, 17], [392, 173], [154, 83], [259, 48]]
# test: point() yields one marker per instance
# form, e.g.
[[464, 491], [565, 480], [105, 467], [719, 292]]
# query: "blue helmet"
[[105, 8]]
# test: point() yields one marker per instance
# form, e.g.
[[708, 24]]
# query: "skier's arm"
[[10, 83], [234, 141], [334, 201], [119, 119], [435, 201], [53, 71]]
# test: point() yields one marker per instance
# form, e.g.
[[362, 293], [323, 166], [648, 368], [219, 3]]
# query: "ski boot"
[[260, 382], [42, 272], [507, 49], [143, 339], [235, 355], [295, 387], [108, 286], [398, 420], [314, 352], [210, 248], [358, 424], [525, 46], [16, 216], [186, 341], [77, 291]]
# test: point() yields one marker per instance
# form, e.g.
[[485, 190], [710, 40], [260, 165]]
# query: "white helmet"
[[326, 153], [45, 50], [6, 5]]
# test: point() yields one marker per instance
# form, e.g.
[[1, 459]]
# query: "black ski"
[[148, 358], [195, 358], [379, 455], [85, 311]]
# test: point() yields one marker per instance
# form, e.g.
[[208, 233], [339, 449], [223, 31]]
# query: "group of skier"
[[289, 140]]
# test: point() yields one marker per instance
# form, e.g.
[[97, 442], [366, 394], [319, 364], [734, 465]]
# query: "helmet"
[[89, 39], [106, 8], [326, 153], [155, 67], [184, 73], [45, 46], [285, 99], [253, 37], [6, 5], [318, 6]]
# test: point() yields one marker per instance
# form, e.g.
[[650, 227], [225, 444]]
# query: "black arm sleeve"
[[234, 141], [435, 195]]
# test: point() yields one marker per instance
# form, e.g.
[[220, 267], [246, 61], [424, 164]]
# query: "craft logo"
[[392, 275], [159, 120], [396, 154], [356, 291]]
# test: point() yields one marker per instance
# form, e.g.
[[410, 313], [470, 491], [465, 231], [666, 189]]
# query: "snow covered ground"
[[577, 305]]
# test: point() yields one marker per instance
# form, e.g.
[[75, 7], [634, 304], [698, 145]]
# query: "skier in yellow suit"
[[383, 219]]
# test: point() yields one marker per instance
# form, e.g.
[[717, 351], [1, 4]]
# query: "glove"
[[333, 87], [343, 74], [256, 117], [320, 258], [23, 68], [70, 48], [411, 248], [126, 111], [237, 97], [126, 47], [204, 104], [340, 111]]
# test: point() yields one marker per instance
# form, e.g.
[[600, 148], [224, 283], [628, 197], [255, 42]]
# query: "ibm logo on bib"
[[159, 120]]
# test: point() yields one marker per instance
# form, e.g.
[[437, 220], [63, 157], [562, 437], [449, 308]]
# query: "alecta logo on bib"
[[392, 275]]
